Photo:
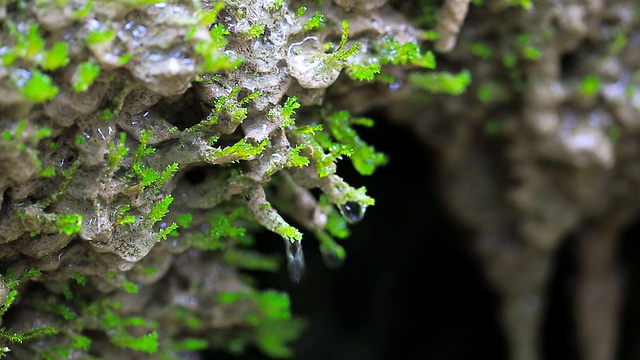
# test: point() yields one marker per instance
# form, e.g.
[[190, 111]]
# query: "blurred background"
[[412, 287]]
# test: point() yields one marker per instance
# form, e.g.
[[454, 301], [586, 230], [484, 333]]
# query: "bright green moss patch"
[[97, 37], [364, 157], [393, 52], [442, 82], [481, 50], [256, 30], [590, 86], [57, 57], [69, 224], [85, 74], [493, 92], [130, 287], [117, 151], [301, 10], [315, 22], [8, 337], [213, 58], [38, 88]]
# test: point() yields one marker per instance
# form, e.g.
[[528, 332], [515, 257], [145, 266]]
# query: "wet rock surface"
[[542, 146]]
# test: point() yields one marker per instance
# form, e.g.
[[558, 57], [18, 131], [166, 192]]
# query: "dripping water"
[[352, 211], [295, 260], [331, 258]]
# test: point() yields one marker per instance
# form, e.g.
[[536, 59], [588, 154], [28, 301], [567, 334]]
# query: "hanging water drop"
[[331, 258], [295, 260], [352, 211]]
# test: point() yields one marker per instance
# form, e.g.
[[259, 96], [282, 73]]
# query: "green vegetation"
[[315, 22], [256, 30], [442, 82], [38, 87], [363, 157], [8, 338], [275, 327], [97, 37], [85, 74], [590, 86], [244, 136], [69, 224], [117, 151]]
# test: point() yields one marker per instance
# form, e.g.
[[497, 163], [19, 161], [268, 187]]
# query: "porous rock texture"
[[142, 145]]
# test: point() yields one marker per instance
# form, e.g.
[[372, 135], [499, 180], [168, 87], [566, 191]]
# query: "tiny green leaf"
[[85, 74]]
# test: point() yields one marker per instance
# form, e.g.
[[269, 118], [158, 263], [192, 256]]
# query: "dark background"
[[411, 287]]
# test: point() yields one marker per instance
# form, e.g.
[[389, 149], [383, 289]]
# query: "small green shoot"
[[57, 57], [98, 37], [590, 85], [301, 10], [394, 53], [442, 82], [69, 224], [38, 88], [364, 158], [276, 5], [85, 74], [256, 30], [159, 211], [129, 287], [316, 21], [184, 220], [166, 175], [117, 151], [285, 113]]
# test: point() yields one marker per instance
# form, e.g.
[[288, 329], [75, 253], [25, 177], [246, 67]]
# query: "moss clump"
[[149, 142]]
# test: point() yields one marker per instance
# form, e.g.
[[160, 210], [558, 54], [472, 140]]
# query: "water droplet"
[[332, 259], [295, 260], [352, 211]]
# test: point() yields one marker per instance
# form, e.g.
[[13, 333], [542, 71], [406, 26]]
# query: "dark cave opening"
[[558, 332], [629, 324], [410, 285]]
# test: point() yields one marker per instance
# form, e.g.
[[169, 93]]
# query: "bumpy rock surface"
[[542, 146], [142, 145]]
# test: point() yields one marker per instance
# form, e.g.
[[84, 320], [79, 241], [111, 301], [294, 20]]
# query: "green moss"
[[276, 5], [442, 82], [256, 30], [212, 58], [590, 86], [57, 57], [482, 50], [117, 151], [275, 327], [315, 22], [37, 88], [97, 37], [301, 11], [130, 287], [159, 211], [364, 157], [284, 114], [492, 92], [69, 224], [10, 338], [184, 220], [242, 150], [84, 76], [525, 4], [393, 52]]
